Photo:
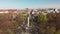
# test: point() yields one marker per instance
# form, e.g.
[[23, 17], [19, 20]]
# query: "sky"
[[21, 4]]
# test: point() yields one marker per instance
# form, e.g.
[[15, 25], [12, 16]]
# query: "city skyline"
[[21, 4]]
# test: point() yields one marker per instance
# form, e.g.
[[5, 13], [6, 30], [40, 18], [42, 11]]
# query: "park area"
[[11, 23]]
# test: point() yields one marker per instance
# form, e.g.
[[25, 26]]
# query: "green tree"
[[52, 30], [9, 31], [42, 22], [19, 19], [41, 17], [57, 32]]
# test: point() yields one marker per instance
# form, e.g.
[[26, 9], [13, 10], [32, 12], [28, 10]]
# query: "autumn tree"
[[51, 22]]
